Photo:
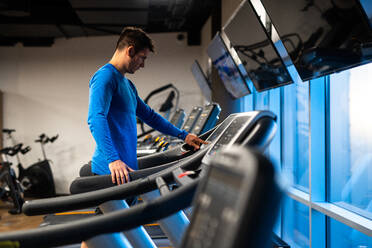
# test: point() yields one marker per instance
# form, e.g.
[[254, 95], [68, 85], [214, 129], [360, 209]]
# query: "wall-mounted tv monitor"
[[255, 49], [367, 7], [202, 80], [322, 36], [231, 76]]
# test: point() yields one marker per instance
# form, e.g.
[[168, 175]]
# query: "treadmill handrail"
[[91, 183], [126, 219], [94, 198], [169, 155]]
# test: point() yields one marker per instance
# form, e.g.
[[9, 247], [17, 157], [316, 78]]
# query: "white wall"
[[46, 91]]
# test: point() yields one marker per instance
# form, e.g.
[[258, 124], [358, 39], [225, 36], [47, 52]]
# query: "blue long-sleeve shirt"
[[113, 106]]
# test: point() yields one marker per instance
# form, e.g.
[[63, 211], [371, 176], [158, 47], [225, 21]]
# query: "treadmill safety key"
[[186, 173]]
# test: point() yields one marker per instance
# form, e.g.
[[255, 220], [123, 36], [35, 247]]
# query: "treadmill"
[[149, 145], [206, 121], [205, 127], [242, 217], [177, 120], [199, 121], [253, 129]]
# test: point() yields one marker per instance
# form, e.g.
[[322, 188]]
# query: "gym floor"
[[9, 222]]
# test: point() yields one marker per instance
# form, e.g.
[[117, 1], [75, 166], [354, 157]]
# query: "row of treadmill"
[[199, 121], [223, 195]]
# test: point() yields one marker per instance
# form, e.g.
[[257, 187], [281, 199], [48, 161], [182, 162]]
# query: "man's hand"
[[119, 172], [194, 141]]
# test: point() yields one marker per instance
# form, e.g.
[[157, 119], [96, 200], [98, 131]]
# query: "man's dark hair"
[[136, 37]]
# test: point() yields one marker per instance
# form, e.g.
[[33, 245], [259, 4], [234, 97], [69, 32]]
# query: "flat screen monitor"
[[367, 7], [231, 76], [255, 49], [202, 80], [322, 36]]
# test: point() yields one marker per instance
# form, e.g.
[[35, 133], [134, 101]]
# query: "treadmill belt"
[[154, 231], [60, 218]]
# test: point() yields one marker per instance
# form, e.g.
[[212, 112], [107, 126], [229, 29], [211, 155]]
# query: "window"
[[344, 236], [296, 224], [296, 135], [337, 210], [350, 128], [261, 100], [270, 100]]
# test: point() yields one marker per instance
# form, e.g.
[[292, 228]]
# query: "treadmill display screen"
[[213, 214], [229, 72], [255, 49], [202, 80], [219, 129], [189, 124], [229, 134], [203, 118], [322, 36], [178, 118]]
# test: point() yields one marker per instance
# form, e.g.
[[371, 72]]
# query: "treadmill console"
[[207, 119], [214, 135], [229, 134], [229, 202], [178, 118], [191, 120], [236, 131]]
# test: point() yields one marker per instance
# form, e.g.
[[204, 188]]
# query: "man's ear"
[[131, 51]]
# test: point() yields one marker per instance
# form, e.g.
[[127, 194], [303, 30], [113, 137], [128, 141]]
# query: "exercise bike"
[[37, 179], [10, 188]]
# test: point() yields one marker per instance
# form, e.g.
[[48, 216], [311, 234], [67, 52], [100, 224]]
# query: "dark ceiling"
[[39, 22]]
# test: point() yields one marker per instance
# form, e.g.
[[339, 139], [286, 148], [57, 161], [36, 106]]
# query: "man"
[[114, 105]]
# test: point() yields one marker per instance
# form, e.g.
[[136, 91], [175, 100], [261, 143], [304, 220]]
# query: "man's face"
[[138, 60]]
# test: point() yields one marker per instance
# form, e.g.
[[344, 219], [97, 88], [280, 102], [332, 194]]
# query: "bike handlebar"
[[11, 151], [8, 131], [44, 139]]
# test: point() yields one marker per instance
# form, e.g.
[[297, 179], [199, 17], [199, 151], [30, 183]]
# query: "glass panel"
[[351, 140], [296, 224], [261, 100], [269, 100], [344, 236], [295, 149], [246, 103]]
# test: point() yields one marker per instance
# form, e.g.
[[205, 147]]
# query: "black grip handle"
[[162, 186], [53, 138], [25, 150], [92, 183], [6, 151], [8, 131], [17, 148], [41, 138], [88, 199]]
